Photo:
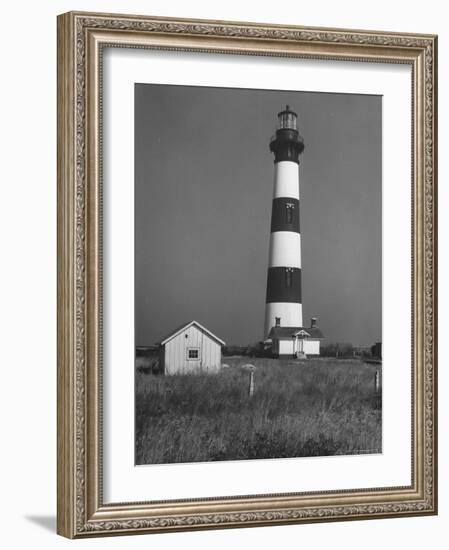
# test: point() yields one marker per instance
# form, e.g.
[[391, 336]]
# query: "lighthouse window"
[[289, 213], [288, 278]]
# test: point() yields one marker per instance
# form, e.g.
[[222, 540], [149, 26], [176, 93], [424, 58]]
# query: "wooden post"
[[376, 381], [251, 383]]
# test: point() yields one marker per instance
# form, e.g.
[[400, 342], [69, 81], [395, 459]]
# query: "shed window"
[[193, 353]]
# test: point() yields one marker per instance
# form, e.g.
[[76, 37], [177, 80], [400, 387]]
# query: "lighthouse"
[[283, 298]]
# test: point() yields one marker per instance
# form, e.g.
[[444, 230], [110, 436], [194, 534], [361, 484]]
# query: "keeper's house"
[[298, 342], [189, 349]]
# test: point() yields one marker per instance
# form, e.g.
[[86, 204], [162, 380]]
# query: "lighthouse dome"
[[287, 119], [287, 143]]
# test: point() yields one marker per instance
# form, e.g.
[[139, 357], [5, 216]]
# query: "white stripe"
[[285, 249], [290, 314], [286, 180]]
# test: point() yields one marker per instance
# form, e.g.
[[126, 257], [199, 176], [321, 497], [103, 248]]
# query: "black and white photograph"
[[258, 274], [224, 228]]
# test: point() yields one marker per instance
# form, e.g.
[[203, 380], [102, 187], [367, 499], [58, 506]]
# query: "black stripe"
[[284, 284], [285, 215]]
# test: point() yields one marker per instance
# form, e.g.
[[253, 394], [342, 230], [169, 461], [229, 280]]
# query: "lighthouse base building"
[[295, 342]]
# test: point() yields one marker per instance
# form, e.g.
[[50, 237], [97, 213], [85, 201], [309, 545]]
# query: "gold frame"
[[81, 37]]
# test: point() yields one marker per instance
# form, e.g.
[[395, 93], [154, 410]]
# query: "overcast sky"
[[203, 187]]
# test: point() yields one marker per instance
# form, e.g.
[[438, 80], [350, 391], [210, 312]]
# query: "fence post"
[[376, 381], [251, 383]]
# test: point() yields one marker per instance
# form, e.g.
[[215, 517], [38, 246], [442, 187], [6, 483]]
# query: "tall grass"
[[315, 408]]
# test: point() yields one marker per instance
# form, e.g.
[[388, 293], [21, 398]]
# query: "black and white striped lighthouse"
[[283, 300]]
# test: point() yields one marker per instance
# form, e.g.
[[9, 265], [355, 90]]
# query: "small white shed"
[[190, 348]]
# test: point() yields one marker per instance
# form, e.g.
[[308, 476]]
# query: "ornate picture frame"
[[82, 39]]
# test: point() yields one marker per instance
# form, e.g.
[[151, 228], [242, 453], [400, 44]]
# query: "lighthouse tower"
[[283, 300]]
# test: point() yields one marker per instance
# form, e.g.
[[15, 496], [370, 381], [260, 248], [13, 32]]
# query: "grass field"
[[314, 408]]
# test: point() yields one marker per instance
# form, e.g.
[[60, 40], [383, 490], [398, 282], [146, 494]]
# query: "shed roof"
[[184, 326], [289, 332]]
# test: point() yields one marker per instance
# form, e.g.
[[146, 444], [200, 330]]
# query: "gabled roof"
[[301, 332], [289, 332], [177, 330]]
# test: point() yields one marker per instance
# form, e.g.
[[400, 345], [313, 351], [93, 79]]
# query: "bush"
[[342, 350]]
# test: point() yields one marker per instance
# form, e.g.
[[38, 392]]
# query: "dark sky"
[[204, 182]]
